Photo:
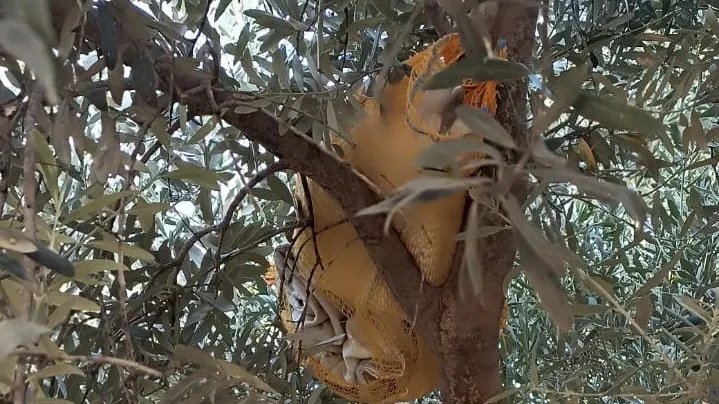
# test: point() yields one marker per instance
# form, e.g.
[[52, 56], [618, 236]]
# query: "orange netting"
[[359, 341], [441, 55]]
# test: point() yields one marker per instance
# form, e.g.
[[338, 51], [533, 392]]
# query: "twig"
[[315, 245], [202, 26], [633, 324], [546, 55], [232, 208], [99, 359], [6, 126], [232, 254], [222, 226], [29, 195], [186, 248], [388, 56], [121, 219], [102, 359], [121, 282], [238, 166]]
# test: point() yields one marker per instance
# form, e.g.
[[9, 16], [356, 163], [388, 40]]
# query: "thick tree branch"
[[305, 156], [29, 205], [468, 333]]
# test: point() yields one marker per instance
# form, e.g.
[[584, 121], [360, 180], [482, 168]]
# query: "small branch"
[[259, 177], [5, 153], [121, 219], [302, 154], [186, 248], [202, 25], [352, 191], [235, 204], [130, 174], [546, 54], [232, 254], [313, 236], [102, 359], [122, 283], [224, 224], [29, 195], [6, 126], [99, 359]]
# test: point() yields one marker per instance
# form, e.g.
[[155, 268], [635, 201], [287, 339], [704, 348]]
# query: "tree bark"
[[468, 331]]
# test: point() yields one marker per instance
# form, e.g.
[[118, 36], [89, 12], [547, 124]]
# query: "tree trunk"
[[469, 328], [467, 334]]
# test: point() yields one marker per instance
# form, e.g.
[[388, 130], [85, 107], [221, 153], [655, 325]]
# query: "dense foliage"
[[170, 220]]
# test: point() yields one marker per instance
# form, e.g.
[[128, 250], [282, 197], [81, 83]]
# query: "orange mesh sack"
[[353, 334], [440, 55]]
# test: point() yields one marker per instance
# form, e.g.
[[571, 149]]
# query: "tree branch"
[[29, 197], [222, 226]]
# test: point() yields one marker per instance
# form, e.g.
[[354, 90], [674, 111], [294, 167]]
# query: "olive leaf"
[[615, 113], [21, 41], [478, 69]]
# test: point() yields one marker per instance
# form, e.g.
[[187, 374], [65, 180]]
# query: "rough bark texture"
[[468, 331], [463, 334]]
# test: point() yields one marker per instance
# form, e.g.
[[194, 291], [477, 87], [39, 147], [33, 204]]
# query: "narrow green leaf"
[[616, 114], [149, 208], [565, 88], [59, 315], [280, 68], [200, 176], [205, 130], [47, 164], [89, 267], [694, 307], [11, 266], [144, 77], [55, 298], [280, 189], [58, 369], [16, 241], [268, 20], [221, 8], [485, 125], [441, 155], [95, 206], [711, 21], [250, 71], [159, 128], [128, 249], [484, 69], [52, 261], [21, 41], [16, 332], [658, 278]]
